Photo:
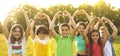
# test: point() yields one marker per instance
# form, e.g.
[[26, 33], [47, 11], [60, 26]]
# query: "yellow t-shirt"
[[41, 49]]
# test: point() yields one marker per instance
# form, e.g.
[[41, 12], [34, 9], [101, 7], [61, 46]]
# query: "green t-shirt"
[[64, 45]]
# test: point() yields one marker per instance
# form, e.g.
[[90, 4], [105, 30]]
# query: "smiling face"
[[64, 30], [102, 32], [81, 29], [95, 36], [17, 33], [42, 31]]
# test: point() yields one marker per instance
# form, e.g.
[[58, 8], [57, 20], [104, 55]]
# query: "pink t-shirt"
[[95, 49]]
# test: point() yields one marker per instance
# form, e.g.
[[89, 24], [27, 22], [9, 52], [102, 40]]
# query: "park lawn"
[[29, 47]]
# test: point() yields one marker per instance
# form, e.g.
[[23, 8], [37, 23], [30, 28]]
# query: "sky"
[[6, 5]]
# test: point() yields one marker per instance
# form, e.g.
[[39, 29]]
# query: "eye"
[[17, 31], [62, 30], [96, 35]]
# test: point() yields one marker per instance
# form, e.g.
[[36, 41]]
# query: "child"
[[81, 26], [81, 45], [94, 44], [65, 39], [16, 38], [41, 37], [108, 49]]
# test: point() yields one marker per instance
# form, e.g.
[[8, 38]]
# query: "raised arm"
[[27, 22], [114, 28], [106, 32], [47, 17], [5, 23], [87, 15], [52, 24], [75, 13], [96, 25], [71, 22], [32, 33], [88, 30], [31, 28]]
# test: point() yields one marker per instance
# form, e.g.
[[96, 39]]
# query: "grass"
[[29, 46]]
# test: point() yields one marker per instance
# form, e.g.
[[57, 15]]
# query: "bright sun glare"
[[6, 6]]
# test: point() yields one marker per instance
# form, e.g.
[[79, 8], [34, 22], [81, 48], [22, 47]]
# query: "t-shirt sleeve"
[[71, 37], [57, 37], [111, 39]]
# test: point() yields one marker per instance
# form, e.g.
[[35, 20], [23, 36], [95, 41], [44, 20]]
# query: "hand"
[[66, 13], [82, 11], [99, 19], [105, 20], [76, 13], [59, 13], [44, 15], [37, 16]]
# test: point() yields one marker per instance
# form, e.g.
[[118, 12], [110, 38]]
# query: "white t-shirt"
[[45, 41], [17, 48], [108, 49]]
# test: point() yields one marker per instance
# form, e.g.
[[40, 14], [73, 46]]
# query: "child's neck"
[[63, 36], [41, 38], [16, 39], [95, 42]]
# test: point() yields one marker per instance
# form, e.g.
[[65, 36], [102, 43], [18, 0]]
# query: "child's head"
[[64, 29], [102, 31], [94, 36], [16, 33], [81, 28], [42, 31]]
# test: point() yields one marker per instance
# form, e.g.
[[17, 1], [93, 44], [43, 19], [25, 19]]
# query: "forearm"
[[5, 28], [88, 16], [31, 29], [26, 19], [114, 28], [96, 25]]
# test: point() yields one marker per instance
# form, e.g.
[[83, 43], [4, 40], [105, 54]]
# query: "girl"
[[65, 39], [16, 38], [81, 45], [41, 37], [108, 49], [94, 44], [81, 26]]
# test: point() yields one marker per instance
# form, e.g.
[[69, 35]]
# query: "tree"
[[1, 28]]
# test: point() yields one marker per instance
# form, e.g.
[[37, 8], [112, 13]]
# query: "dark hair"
[[81, 23], [64, 24], [42, 29], [91, 42], [12, 38]]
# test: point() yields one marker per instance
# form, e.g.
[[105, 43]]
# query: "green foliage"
[[1, 28], [98, 10]]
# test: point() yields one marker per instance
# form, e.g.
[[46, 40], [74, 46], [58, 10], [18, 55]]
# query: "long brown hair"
[[91, 42], [12, 38]]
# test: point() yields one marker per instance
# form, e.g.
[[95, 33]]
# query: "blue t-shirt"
[[81, 45]]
